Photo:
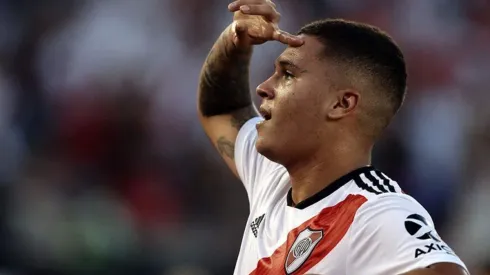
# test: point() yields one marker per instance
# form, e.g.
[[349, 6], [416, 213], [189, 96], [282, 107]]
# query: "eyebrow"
[[287, 63]]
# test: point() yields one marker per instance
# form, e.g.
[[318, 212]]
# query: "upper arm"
[[395, 235], [223, 130], [440, 269]]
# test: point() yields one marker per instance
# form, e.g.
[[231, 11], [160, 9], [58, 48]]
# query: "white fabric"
[[380, 244], [253, 168], [375, 240]]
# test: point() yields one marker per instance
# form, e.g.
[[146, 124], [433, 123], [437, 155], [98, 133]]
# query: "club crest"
[[301, 249]]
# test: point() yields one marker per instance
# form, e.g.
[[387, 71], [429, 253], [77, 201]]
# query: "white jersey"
[[360, 224]]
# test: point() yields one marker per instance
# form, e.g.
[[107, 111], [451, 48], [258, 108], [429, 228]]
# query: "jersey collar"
[[329, 189]]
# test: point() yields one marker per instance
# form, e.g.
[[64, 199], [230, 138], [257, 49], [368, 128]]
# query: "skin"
[[306, 110], [313, 130]]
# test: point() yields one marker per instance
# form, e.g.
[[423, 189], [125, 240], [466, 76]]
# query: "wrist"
[[232, 48]]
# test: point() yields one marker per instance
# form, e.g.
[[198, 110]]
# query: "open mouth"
[[265, 113]]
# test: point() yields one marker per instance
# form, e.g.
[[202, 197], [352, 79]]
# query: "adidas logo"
[[255, 225]]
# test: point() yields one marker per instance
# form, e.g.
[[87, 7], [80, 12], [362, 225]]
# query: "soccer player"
[[317, 206]]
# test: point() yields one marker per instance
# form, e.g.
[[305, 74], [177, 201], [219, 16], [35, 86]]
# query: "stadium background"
[[104, 168]]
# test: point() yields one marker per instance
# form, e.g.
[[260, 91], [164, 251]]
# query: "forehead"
[[305, 56]]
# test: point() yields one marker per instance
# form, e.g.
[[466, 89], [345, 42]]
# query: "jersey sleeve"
[[394, 234], [251, 166]]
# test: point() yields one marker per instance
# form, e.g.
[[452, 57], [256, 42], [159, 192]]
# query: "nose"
[[266, 90]]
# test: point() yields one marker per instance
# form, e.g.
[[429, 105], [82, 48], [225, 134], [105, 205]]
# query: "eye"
[[287, 74]]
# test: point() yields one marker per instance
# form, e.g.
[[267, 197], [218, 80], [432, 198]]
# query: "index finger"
[[287, 38], [235, 6]]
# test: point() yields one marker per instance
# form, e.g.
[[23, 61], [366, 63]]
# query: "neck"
[[310, 176]]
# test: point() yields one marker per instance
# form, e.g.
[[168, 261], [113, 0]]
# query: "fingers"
[[287, 38], [256, 7], [235, 6], [266, 11]]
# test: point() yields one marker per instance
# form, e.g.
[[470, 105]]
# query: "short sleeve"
[[393, 235], [251, 166]]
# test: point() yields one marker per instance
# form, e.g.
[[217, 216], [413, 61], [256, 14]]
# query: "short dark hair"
[[367, 50]]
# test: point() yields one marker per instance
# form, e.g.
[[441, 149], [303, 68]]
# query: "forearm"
[[224, 82]]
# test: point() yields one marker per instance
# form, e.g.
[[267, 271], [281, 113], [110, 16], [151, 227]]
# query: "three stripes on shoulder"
[[377, 182]]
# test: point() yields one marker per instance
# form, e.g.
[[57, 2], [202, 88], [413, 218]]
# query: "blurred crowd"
[[104, 168]]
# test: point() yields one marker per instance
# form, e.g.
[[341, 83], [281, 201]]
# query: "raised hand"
[[256, 21]]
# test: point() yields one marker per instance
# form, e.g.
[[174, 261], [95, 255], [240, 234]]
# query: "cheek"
[[299, 105]]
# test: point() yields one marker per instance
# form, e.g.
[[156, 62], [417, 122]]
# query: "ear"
[[344, 104]]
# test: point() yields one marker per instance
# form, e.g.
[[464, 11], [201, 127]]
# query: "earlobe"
[[345, 104]]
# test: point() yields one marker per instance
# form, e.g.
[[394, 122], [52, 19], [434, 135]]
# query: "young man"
[[316, 204]]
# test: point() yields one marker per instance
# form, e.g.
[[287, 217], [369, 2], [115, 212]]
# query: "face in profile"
[[295, 100]]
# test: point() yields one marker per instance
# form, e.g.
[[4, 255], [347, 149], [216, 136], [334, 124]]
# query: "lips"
[[265, 113]]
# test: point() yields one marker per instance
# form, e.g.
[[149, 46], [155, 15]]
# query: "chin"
[[261, 145], [266, 149]]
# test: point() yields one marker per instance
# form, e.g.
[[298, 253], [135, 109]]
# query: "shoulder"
[[373, 183], [399, 235], [390, 206], [384, 197], [392, 228], [384, 200]]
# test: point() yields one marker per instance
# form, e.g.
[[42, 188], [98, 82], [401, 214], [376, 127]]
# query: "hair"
[[366, 54]]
